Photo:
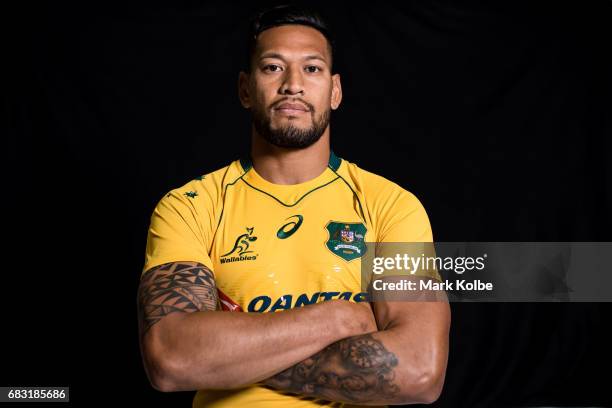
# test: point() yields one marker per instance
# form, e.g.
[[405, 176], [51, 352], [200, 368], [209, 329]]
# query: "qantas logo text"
[[263, 303]]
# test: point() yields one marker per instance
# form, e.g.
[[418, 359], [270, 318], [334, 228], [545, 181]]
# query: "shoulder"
[[203, 193], [209, 185], [388, 206], [377, 191], [212, 183]]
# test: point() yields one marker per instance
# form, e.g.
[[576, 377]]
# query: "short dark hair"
[[283, 15]]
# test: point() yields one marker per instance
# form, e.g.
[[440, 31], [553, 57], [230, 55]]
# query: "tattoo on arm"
[[355, 369], [175, 287]]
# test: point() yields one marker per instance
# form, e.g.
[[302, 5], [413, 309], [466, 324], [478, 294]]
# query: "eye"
[[272, 68], [313, 68]]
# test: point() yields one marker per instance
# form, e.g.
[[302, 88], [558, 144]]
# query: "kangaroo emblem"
[[242, 243]]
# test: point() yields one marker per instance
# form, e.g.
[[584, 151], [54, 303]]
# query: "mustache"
[[309, 106]]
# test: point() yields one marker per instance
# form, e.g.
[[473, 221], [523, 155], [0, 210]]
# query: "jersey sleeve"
[[403, 221], [179, 230]]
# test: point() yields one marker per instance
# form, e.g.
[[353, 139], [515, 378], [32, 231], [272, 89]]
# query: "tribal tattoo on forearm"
[[175, 287], [355, 369]]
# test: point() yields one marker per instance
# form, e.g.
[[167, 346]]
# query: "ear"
[[243, 90], [336, 96]]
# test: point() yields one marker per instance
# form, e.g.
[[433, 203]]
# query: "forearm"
[[214, 349], [369, 369]]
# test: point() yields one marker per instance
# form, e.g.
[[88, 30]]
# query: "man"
[[277, 238]]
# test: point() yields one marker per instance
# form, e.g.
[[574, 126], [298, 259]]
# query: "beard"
[[290, 136]]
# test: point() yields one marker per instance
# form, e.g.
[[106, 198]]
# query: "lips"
[[291, 107]]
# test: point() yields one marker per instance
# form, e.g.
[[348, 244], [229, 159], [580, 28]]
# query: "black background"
[[497, 116]]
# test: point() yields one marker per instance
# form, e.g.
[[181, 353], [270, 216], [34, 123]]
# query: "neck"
[[281, 165]]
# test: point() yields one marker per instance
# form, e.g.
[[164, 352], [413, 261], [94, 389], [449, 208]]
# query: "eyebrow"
[[279, 56]]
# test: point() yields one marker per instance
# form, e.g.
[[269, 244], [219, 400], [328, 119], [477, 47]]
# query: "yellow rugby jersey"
[[273, 247]]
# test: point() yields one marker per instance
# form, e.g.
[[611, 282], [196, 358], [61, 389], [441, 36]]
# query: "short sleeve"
[[176, 232], [405, 221]]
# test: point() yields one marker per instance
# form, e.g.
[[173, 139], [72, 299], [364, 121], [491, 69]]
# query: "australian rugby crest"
[[346, 239]]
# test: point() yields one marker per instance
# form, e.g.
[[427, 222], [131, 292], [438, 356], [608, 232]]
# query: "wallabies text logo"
[[241, 249]]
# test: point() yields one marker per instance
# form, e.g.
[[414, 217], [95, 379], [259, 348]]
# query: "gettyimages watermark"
[[488, 271]]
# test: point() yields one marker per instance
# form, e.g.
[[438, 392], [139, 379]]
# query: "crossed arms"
[[386, 353]]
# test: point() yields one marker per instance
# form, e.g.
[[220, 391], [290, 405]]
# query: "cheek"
[[324, 95], [261, 100], [323, 102], [265, 92]]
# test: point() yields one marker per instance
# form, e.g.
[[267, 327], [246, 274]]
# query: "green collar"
[[333, 163]]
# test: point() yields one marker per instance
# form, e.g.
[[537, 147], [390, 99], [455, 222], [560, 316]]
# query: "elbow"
[[162, 385], [161, 368], [171, 377], [160, 374], [430, 390], [425, 388], [162, 379], [169, 372]]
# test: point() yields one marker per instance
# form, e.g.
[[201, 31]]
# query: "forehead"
[[292, 39]]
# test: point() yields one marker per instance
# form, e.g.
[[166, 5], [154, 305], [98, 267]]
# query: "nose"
[[292, 82]]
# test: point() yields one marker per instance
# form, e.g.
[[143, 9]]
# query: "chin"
[[292, 123], [292, 118]]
